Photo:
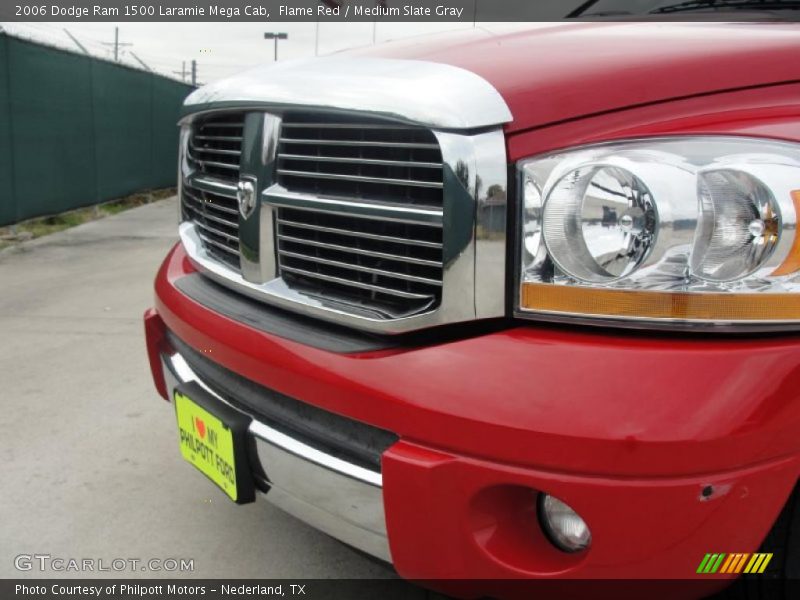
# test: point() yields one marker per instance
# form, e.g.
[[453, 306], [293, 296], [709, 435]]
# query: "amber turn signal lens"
[[685, 306], [792, 262]]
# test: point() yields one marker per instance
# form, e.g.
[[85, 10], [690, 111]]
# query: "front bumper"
[[629, 431], [336, 496]]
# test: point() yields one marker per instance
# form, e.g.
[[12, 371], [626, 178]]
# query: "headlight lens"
[[599, 223], [698, 231]]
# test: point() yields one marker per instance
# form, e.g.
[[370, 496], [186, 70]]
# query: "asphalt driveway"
[[90, 460]]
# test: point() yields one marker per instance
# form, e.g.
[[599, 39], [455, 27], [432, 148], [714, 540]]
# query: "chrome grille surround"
[[366, 218]]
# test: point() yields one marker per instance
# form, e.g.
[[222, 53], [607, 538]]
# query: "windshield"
[[610, 8]]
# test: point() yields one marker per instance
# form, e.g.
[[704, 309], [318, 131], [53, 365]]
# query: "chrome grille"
[[215, 145], [392, 266], [214, 152]]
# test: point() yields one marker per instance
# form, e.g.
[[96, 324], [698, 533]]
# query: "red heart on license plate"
[[200, 426]]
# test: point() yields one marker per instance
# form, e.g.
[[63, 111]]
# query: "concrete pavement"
[[91, 467]]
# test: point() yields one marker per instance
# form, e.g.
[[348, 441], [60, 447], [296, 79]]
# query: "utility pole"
[[77, 43], [182, 72], [141, 62], [277, 37], [116, 43], [194, 72]]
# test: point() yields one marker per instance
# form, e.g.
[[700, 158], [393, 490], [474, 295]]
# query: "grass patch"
[[34, 228]]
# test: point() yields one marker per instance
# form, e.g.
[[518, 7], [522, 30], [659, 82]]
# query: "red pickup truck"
[[500, 305]]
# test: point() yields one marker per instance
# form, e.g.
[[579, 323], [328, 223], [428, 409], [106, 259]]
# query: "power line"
[[77, 43], [182, 72], [116, 43], [62, 44], [140, 61]]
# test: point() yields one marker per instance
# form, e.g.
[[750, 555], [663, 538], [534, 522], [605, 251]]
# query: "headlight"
[[699, 231]]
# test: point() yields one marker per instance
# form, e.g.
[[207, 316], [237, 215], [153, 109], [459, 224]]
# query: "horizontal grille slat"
[[211, 217], [347, 282], [217, 244], [361, 251], [210, 204], [358, 143], [217, 232], [357, 126], [218, 138], [215, 151], [356, 267], [361, 218], [215, 145], [360, 178], [213, 154], [362, 161], [222, 125], [214, 163], [361, 234]]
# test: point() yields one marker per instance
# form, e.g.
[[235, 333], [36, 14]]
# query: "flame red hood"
[[554, 72]]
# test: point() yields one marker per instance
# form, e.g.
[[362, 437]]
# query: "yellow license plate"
[[207, 443]]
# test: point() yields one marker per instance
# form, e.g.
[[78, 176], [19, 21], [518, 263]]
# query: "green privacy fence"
[[76, 130]]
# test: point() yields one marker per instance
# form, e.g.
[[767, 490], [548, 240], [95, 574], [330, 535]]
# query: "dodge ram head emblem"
[[246, 195]]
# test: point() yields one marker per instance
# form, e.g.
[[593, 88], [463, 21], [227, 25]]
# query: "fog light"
[[563, 526]]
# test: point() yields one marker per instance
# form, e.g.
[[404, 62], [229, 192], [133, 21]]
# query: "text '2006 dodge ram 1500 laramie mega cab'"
[[380, 310]]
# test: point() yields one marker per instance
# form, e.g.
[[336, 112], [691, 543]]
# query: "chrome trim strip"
[[491, 231], [213, 163], [359, 126], [362, 161], [218, 138], [359, 143], [194, 148], [258, 166], [289, 444], [361, 178], [415, 91], [215, 186], [185, 373], [342, 499], [277, 196]]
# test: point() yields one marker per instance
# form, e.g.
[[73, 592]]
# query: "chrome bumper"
[[339, 498]]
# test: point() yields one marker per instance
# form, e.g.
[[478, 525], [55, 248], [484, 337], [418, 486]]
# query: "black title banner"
[[387, 10], [349, 589], [271, 10]]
